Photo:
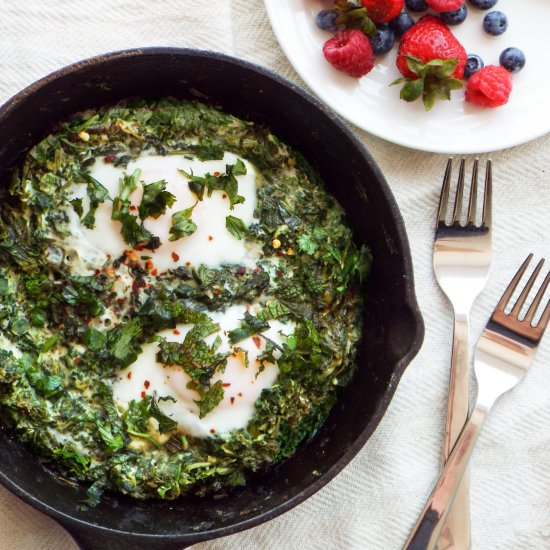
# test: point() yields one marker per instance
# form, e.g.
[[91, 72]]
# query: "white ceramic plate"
[[451, 126]]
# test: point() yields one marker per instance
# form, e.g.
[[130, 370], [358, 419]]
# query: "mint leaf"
[[250, 325], [210, 399], [94, 339], [274, 310], [236, 227]]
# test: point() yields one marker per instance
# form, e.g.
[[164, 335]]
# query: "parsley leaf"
[[132, 232], [224, 182], [182, 225], [155, 200], [97, 194], [94, 339], [121, 341], [236, 227]]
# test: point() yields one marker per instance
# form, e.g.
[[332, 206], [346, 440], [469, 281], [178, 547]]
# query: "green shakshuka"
[[180, 299]]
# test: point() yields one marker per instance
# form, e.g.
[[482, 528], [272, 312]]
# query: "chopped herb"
[[224, 182], [250, 325], [182, 225], [236, 227], [155, 200]]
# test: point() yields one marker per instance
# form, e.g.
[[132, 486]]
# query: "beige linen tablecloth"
[[374, 502]]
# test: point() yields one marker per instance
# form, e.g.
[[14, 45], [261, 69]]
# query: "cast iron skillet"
[[393, 328]]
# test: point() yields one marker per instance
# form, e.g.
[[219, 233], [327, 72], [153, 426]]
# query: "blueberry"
[[383, 40], [495, 23], [454, 17], [416, 5], [512, 59], [326, 20], [483, 4], [473, 64], [401, 24]]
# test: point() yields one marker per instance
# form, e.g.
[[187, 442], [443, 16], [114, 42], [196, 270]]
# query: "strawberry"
[[489, 87], [382, 11], [350, 51], [431, 60], [445, 5]]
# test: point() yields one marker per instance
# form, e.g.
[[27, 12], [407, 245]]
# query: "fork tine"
[[525, 292], [501, 306], [444, 197], [545, 317], [488, 195], [459, 192], [537, 300], [473, 195]]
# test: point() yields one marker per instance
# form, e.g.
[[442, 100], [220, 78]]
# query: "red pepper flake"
[[176, 332], [143, 394], [232, 399], [210, 238], [217, 291], [226, 384], [175, 257], [279, 273], [109, 158], [256, 269], [163, 274], [224, 196], [216, 173], [279, 253], [241, 270], [97, 271], [212, 431], [120, 301], [146, 384], [154, 272], [149, 264], [140, 248], [77, 360], [132, 207], [109, 256], [225, 332], [257, 341], [247, 307], [187, 264], [240, 394], [129, 375]]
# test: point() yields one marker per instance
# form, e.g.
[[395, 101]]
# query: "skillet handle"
[[88, 539]]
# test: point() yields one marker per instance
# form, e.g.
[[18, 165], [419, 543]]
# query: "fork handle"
[[428, 527]]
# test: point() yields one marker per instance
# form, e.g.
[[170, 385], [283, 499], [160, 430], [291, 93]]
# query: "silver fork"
[[504, 353], [461, 260]]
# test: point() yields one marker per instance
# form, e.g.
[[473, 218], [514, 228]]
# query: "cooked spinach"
[[60, 352]]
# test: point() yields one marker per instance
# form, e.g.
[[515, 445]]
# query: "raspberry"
[[350, 51], [445, 5], [489, 87]]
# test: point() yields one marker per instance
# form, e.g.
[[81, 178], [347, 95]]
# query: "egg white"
[[242, 385]]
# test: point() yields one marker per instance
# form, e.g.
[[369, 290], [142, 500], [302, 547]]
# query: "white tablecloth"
[[374, 502]]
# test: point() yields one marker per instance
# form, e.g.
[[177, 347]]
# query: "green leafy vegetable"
[[121, 341], [155, 200], [182, 225], [250, 325], [236, 227], [224, 182]]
